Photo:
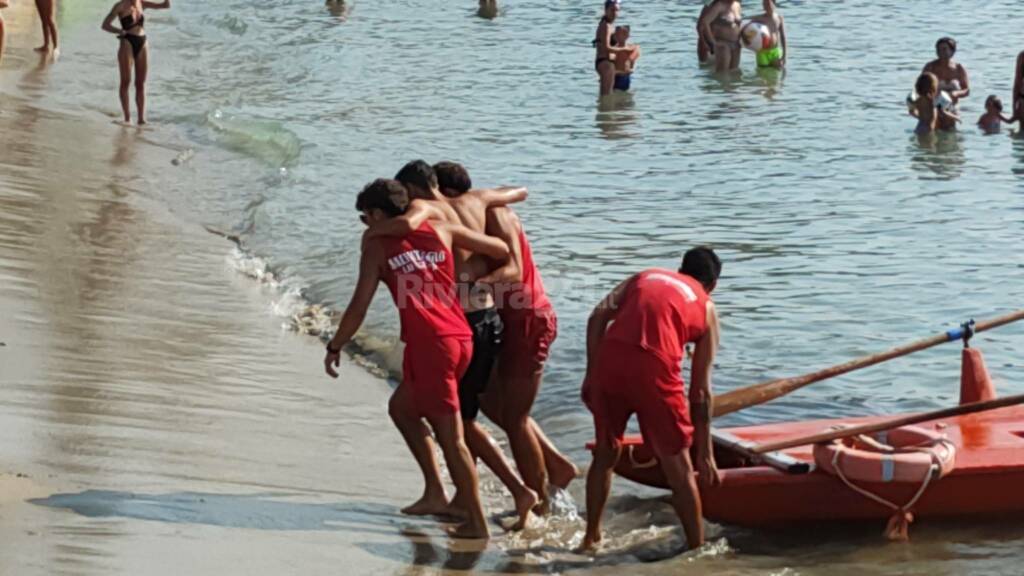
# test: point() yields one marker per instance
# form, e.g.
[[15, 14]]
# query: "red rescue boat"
[[788, 487]]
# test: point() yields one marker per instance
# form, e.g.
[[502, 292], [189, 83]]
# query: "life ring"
[[903, 455]]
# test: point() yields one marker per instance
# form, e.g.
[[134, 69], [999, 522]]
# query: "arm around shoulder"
[[166, 4]]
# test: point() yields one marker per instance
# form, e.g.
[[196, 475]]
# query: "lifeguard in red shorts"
[[635, 346], [419, 270]]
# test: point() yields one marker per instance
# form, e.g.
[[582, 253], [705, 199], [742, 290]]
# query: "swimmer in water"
[[721, 22], [704, 42], [952, 77], [925, 108], [774, 57], [47, 18], [133, 50], [624, 64], [607, 52], [488, 9], [991, 120]]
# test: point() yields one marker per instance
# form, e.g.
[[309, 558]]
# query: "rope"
[[899, 523], [640, 465]]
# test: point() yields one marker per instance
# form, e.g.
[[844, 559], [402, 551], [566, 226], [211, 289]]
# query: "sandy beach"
[[152, 409]]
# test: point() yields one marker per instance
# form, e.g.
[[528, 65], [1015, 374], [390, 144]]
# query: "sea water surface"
[[841, 232]]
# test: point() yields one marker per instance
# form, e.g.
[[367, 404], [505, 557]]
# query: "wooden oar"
[[736, 400], [890, 424]]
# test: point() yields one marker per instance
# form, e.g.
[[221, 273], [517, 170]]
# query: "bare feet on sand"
[[589, 545], [524, 505], [428, 505], [42, 49]]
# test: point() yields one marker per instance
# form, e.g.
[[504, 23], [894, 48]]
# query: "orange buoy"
[[975, 382]]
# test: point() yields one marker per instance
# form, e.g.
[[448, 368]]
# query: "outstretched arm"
[[157, 5], [108, 22], [355, 313], [502, 195], [701, 400], [502, 225], [948, 114]]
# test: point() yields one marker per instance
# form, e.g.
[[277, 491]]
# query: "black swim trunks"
[[487, 338]]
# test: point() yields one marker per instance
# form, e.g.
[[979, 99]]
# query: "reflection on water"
[[616, 116], [940, 153]]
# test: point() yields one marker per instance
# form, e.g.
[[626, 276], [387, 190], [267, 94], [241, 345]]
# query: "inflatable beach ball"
[[756, 36]]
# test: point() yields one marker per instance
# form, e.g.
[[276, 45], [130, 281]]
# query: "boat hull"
[[988, 479]]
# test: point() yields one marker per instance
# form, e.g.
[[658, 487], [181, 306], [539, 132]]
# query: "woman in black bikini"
[[133, 49]]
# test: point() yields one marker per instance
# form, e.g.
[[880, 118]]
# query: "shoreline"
[[154, 388]]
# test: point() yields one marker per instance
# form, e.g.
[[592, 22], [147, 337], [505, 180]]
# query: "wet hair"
[[417, 174], [624, 28], [388, 196], [995, 102], [927, 83], [702, 264], [947, 41], [453, 177]]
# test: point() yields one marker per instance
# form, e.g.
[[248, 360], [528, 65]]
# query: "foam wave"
[[266, 140], [379, 355]]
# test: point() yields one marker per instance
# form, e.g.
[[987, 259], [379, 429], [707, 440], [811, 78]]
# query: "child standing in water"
[[624, 62], [992, 118], [774, 57], [925, 108]]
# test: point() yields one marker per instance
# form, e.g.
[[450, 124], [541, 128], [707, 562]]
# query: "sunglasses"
[[364, 219]]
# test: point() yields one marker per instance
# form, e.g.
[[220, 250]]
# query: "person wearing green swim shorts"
[[774, 57], [771, 58]]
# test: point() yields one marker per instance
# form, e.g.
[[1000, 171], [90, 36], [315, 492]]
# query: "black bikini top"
[[129, 22]]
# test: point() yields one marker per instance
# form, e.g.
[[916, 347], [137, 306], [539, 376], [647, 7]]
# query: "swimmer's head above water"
[[611, 9], [927, 85], [993, 104], [945, 48], [620, 36]]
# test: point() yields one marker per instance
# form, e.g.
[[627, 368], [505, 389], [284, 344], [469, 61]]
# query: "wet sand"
[[154, 416]]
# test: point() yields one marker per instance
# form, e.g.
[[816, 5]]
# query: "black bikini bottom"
[[137, 42]]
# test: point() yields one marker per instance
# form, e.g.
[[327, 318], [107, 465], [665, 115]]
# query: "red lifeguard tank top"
[[420, 273], [529, 295], [661, 312]]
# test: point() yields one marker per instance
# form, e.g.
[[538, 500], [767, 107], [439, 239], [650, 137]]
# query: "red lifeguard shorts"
[[527, 341], [630, 380], [432, 370]]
